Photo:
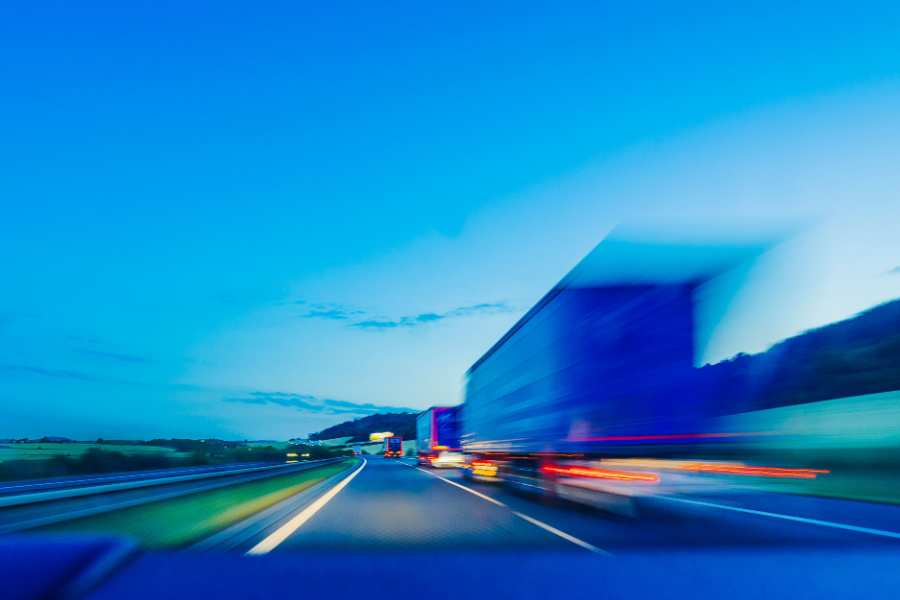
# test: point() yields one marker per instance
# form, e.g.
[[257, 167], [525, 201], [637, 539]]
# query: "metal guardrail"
[[24, 486], [12, 519], [241, 533], [46, 496]]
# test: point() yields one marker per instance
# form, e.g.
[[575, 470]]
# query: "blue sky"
[[251, 221]]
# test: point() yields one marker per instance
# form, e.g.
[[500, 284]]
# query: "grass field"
[[39, 451], [276, 445], [179, 522]]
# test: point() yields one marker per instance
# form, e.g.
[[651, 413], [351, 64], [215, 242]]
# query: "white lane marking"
[[563, 534], [881, 532], [540, 524], [283, 532], [470, 490]]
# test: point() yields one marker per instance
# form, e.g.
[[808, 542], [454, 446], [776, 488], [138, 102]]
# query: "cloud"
[[376, 324], [486, 308], [291, 400], [334, 313], [346, 404], [115, 356], [328, 311], [894, 271], [312, 404], [56, 373]]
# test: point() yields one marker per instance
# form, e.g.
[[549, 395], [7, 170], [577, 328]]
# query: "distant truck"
[[437, 435], [357, 450], [393, 447]]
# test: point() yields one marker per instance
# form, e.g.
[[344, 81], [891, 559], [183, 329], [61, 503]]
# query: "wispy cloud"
[[328, 311], [334, 313], [486, 308], [312, 404], [55, 373], [894, 271], [115, 356]]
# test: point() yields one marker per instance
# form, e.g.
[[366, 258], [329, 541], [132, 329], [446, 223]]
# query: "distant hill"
[[857, 356], [401, 424]]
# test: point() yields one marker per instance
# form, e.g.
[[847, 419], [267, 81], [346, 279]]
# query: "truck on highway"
[[393, 447], [357, 450], [437, 437], [594, 389]]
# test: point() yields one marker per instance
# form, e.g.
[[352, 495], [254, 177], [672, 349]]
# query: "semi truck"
[[593, 395], [393, 447], [437, 437]]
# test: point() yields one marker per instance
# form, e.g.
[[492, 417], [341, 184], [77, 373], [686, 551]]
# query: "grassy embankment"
[[52, 459], [179, 522], [46, 450]]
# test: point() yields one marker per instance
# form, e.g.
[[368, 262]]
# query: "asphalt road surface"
[[393, 505]]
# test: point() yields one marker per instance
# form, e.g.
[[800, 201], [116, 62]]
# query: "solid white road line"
[[283, 532], [540, 524], [470, 490], [880, 532]]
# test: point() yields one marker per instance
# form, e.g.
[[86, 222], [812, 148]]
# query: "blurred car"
[[446, 459], [479, 470]]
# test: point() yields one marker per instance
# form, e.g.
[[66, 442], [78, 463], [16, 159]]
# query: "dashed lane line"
[[531, 520]]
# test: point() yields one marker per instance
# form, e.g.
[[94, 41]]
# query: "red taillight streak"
[[751, 470], [601, 474], [482, 463], [625, 438]]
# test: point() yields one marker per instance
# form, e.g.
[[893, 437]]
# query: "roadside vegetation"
[[358, 430], [180, 522], [854, 357], [40, 460]]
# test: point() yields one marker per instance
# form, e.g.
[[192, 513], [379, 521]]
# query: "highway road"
[[386, 526], [393, 505]]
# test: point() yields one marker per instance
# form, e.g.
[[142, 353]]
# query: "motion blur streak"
[[714, 467], [650, 438], [751, 470], [601, 474]]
